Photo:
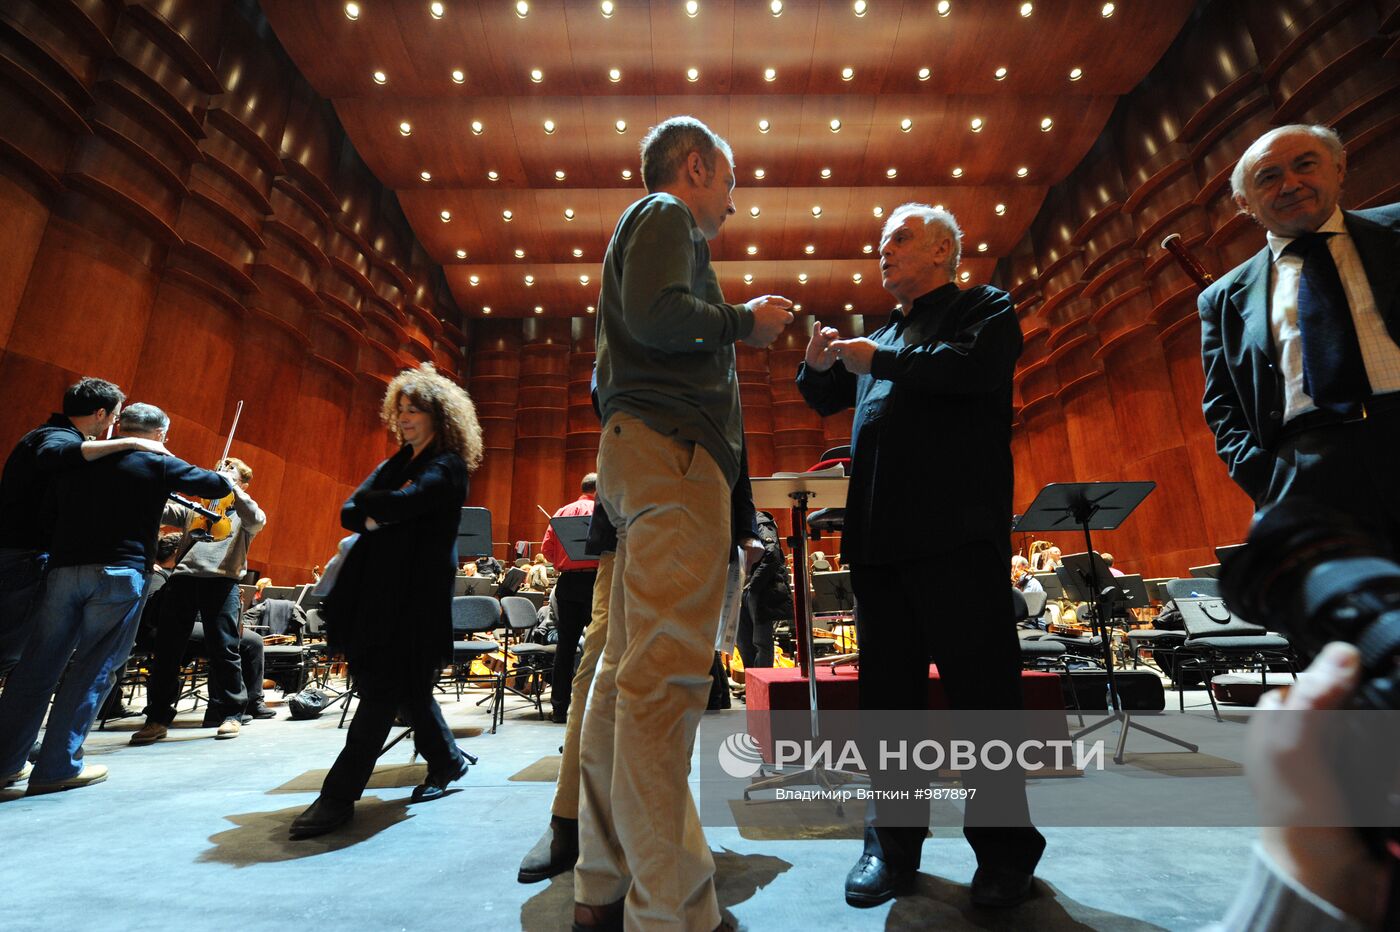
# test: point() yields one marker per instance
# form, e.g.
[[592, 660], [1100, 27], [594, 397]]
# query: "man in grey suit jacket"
[[1301, 343]]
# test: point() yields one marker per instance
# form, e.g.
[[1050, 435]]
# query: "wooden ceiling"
[[458, 74]]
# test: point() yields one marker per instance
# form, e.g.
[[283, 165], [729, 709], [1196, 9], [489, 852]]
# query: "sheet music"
[[733, 599]]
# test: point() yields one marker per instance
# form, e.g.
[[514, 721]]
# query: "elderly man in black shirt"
[[105, 519], [929, 511]]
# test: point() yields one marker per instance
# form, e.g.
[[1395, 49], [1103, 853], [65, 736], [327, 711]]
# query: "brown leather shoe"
[[605, 918]]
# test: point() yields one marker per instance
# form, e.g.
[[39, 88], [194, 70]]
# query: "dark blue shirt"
[[36, 459]]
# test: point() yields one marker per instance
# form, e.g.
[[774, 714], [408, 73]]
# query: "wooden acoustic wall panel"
[[541, 420], [494, 387], [797, 429], [756, 396], [581, 444]]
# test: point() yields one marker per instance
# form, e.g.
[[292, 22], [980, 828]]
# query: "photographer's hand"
[[1287, 759]]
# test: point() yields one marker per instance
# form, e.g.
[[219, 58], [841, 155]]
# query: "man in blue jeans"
[[90, 407], [90, 604]]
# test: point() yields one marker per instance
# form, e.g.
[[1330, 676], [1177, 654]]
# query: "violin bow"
[[228, 444]]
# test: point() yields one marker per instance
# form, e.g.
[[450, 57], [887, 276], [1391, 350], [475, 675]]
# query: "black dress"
[[390, 612]]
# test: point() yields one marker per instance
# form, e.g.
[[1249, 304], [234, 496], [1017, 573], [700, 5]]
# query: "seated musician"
[[537, 579], [1022, 577], [1108, 561]]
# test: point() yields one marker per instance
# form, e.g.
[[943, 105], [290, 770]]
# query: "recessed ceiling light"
[[536, 75], [764, 126], [475, 280], [627, 174], [944, 7], [981, 247], [539, 309], [607, 8], [759, 173], [1076, 73], [856, 278], [493, 175], [405, 128], [753, 211], [1000, 209], [559, 174], [614, 75], [352, 11], [520, 254], [1107, 10], [436, 9], [426, 175], [816, 210], [891, 172], [850, 307], [1045, 124], [802, 278], [859, 7], [877, 210], [590, 309], [1026, 9], [752, 250], [461, 254], [620, 126], [867, 249], [966, 275], [797, 308], [977, 124], [446, 215], [826, 173], [486, 309], [578, 253], [380, 77], [906, 124], [529, 281], [477, 128], [1022, 172], [522, 9], [937, 206], [835, 125], [507, 216], [776, 6], [458, 75], [549, 127], [770, 74], [691, 8], [568, 213], [925, 74], [957, 171], [748, 279], [692, 74], [583, 279], [847, 74], [809, 249], [1000, 73]]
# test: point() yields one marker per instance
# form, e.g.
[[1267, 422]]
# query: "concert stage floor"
[[191, 833]]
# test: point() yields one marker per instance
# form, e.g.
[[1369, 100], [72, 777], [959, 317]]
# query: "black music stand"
[[572, 531], [796, 493], [831, 593], [474, 533], [1094, 506]]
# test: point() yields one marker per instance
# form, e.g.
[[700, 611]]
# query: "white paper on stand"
[[733, 598]]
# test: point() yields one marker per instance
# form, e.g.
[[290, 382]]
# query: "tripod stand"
[[1099, 506]]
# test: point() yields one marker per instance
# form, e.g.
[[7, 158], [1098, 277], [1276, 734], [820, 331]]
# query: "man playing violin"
[[104, 518], [204, 587]]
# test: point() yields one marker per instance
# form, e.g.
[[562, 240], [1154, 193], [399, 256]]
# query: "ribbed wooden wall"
[[184, 216], [1110, 383]]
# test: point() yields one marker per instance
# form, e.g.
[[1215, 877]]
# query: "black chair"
[[472, 617], [1039, 652], [536, 661], [1216, 641]]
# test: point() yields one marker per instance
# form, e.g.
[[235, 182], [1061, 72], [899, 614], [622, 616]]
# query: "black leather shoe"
[[1000, 887], [435, 784], [555, 853], [322, 816], [261, 710], [558, 716], [873, 881]]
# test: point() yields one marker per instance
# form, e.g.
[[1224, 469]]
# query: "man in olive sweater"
[[668, 458]]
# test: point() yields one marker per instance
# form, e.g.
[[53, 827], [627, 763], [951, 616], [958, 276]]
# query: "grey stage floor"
[[191, 833]]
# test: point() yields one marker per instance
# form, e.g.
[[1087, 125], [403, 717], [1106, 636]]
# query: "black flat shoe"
[[261, 711], [555, 853], [435, 784], [873, 881], [1000, 887], [322, 816]]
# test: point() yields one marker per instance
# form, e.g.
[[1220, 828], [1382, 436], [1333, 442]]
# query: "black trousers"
[[250, 658], [954, 611], [573, 593], [183, 601], [755, 638], [369, 729]]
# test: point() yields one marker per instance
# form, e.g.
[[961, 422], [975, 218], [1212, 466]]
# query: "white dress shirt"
[[1378, 351]]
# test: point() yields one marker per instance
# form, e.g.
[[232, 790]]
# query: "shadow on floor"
[[737, 878], [937, 903], [384, 777], [261, 837]]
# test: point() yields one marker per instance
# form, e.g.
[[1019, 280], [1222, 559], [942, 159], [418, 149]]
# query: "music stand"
[[831, 593], [796, 493], [1051, 584], [474, 533], [1157, 588], [1095, 506], [572, 532], [1209, 571]]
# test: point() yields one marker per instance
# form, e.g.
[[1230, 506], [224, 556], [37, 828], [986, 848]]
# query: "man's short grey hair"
[[1018, 560], [1327, 134], [666, 145], [148, 419], [930, 215]]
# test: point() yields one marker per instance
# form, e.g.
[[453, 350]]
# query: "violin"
[[213, 518]]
